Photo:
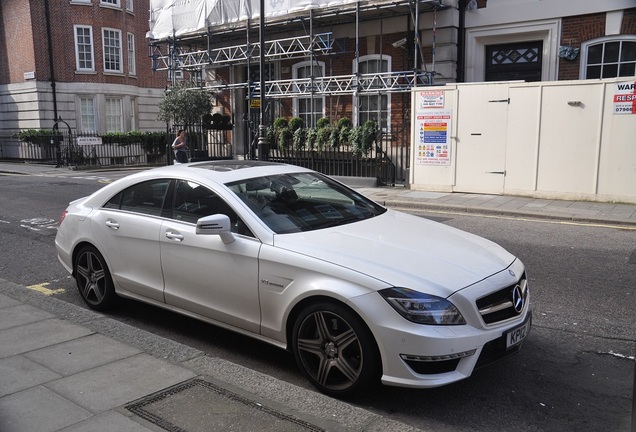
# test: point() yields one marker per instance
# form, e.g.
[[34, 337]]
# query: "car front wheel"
[[335, 350], [93, 279]]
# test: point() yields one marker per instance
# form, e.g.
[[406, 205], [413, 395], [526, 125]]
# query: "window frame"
[[116, 202], [110, 3], [117, 50], [238, 225], [109, 116], [311, 114], [82, 115], [78, 61], [132, 62], [585, 46], [357, 117]]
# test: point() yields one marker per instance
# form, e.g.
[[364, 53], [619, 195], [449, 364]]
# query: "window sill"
[[110, 6]]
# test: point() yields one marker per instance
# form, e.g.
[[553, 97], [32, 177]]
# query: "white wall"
[[29, 105], [561, 140]]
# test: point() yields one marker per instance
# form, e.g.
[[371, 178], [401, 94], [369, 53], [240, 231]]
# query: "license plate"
[[517, 334]]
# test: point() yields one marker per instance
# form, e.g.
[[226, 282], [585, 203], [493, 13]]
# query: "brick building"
[[82, 61]]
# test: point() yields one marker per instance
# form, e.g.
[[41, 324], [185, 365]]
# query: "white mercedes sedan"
[[359, 293]]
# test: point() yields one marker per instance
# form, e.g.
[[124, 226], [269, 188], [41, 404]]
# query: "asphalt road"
[[574, 373]]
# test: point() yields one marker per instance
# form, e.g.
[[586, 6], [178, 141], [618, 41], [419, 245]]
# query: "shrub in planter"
[[363, 137], [323, 136], [280, 123], [284, 138], [344, 135], [311, 138], [40, 137], [296, 123], [344, 122], [322, 122], [334, 137], [282, 134], [298, 141]]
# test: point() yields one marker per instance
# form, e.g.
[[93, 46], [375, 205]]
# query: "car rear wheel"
[[335, 350], [93, 279]]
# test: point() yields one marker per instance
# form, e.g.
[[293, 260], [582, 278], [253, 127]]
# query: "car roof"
[[226, 171]]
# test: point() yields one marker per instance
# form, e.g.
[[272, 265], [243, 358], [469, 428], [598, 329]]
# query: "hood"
[[405, 251]]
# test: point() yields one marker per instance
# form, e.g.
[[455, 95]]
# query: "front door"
[[202, 274]]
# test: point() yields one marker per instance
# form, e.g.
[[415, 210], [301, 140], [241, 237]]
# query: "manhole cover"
[[199, 406]]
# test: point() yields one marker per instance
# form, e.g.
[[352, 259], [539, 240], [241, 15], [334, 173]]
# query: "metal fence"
[[387, 160], [65, 148]]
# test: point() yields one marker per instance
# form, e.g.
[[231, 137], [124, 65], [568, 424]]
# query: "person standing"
[[180, 147]]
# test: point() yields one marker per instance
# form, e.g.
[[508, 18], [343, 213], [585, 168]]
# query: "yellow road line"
[[41, 288]]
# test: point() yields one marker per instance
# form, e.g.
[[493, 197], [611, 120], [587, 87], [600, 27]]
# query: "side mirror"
[[216, 224]]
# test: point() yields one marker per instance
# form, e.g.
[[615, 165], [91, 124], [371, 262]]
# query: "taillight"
[[62, 216]]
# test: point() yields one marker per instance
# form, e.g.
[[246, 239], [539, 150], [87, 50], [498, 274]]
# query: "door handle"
[[174, 236], [112, 224], [496, 172]]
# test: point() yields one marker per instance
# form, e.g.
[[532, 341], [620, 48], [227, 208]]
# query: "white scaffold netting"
[[177, 18]]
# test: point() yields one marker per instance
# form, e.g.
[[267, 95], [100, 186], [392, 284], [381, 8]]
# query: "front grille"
[[499, 305]]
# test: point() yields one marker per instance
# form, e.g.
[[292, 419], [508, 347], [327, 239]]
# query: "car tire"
[[335, 350], [93, 279]]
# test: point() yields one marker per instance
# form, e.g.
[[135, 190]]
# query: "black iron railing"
[[387, 160]]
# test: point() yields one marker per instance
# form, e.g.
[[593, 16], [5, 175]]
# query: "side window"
[[146, 198], [193, 201]]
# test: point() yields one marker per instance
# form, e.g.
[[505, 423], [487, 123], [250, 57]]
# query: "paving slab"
[[29, 337], [6, 301], [117, 383], [110, 421], [19, 373], [81, 354], [20, 314], [38, 409]]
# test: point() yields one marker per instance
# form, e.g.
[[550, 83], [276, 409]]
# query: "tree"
[[185, 104]]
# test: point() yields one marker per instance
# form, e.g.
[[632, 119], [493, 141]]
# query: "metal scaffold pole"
[[263, 147]]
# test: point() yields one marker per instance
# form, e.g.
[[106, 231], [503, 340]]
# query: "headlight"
[[422, 308]]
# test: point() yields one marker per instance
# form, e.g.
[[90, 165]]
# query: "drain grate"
[[199, 406]]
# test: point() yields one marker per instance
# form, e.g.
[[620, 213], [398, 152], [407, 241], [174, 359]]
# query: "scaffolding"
[[223, 41]]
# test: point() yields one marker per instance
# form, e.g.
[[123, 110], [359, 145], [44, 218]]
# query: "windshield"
[[297, 202]]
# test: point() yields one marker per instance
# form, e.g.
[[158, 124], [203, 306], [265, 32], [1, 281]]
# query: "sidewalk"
[[66, 368], [560, 210]]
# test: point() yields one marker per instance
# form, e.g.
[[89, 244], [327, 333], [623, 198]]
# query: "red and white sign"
[[431, 99], [625, 98]]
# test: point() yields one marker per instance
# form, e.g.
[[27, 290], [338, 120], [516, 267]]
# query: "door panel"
[[481, 138], [570, 130], [210, 278], [129, 242]]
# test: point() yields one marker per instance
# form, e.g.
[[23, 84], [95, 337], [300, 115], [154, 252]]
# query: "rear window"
[[146, 197]]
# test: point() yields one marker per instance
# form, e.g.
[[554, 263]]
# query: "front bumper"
[[425, 356]]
